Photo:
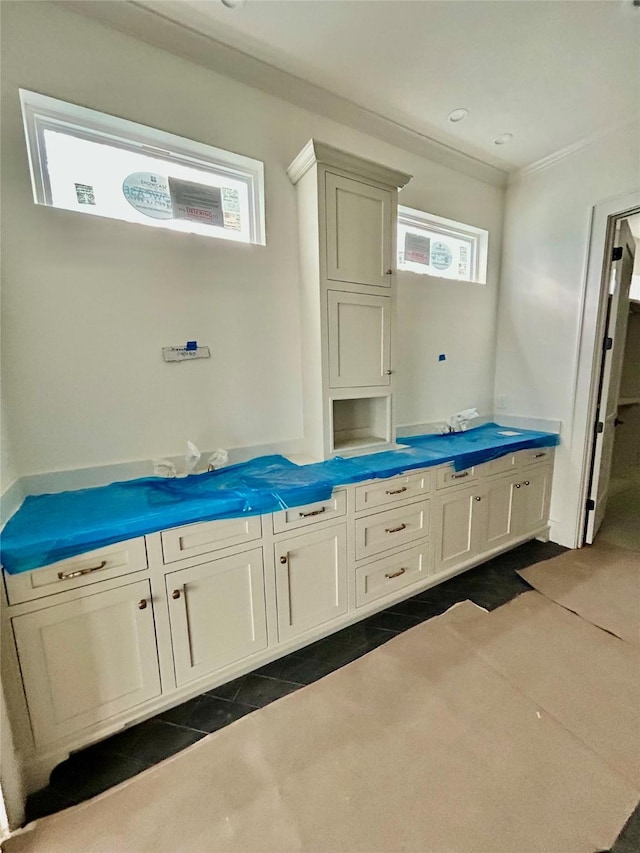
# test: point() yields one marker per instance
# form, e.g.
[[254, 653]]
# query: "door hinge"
[[608, 343], [591, 504], [616, 254], [600, 427]]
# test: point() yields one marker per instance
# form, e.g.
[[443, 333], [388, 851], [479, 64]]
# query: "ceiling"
[[553, 74]]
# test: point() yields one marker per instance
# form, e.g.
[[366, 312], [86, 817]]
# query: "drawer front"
[[394, 490], [101, 564], [446, 477], [502, 465], [386, 576], [195, 539], [384, 531], [536, 455], [301, 516]]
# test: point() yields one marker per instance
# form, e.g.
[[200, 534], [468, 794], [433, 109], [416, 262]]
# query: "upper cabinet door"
[[358, 232], [359, 340]]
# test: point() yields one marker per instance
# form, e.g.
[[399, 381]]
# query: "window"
[[431, 245], [93, 163]]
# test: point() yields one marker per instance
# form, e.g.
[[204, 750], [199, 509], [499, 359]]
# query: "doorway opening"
[[612, 504]]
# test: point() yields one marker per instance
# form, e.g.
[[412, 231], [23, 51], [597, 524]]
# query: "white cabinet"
[[347, 209], [534, 497], [458, 530], [359, 340], [217, 614], [88, 659], [359, 223], [491, 513], [311, 580]]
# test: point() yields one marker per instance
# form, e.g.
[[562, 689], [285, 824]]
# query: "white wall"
[[546, 239], [88, 303]]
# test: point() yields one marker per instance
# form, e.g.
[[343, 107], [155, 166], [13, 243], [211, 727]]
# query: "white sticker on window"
[[148, 193], [196, 202]]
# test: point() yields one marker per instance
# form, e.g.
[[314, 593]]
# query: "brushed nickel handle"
[[65, 577], [142, 604], [388, 372], [539, 455], [526, 482], [175, 593], [314, 512], [518, 485], [395, 529], [396, 491], [477, 499], [283, 560], [396, 574], [459, 476], [389, 272]]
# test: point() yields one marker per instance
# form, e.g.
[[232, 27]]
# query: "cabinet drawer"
[[390, 574], [101, 564], [391, 529], [195, 539], [301, 516], [536, 455], [502, 465], [447, 476], [395, 490]]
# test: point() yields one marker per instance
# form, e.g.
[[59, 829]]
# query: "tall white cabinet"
[[347, 210]]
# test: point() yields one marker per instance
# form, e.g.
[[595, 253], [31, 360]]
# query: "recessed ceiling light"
[[503, 138], [458, 115]]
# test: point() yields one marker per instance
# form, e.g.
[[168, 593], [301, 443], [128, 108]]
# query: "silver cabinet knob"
[[388, 372], [477, 499]]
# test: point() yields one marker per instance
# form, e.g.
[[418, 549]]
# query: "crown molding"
[[155, 28], [562, 153], [319, 152]]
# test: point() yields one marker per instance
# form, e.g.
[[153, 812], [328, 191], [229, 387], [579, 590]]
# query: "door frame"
[[604, 219]]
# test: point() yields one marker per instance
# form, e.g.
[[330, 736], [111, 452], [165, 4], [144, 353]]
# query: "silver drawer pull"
[[539, 455], [395, 529], [459, 476], [396, 574], [526, 482], [396, 491], [65, 577], [314, 512]]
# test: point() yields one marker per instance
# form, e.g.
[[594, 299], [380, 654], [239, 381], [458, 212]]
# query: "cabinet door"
[[217, 614], [534, 496], [358, 232], [86, 660], [359, 339], [311, 580], [502, 520], [459, 528]]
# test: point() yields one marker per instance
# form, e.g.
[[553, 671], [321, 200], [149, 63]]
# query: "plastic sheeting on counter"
[[482, 444], [53, 527]]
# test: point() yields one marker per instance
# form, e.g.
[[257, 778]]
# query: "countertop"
[[52, 527]]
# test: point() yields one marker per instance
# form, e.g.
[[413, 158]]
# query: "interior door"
[[607, 409]]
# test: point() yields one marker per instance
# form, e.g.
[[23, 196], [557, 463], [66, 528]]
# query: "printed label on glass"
[[149, 194], [417, 248], [85, 194], [196, 202], [441, 256]]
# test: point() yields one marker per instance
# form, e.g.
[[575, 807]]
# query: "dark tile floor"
[[98, 767]]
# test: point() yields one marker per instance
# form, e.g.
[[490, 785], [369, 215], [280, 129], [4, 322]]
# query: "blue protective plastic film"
[[53, 527]]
